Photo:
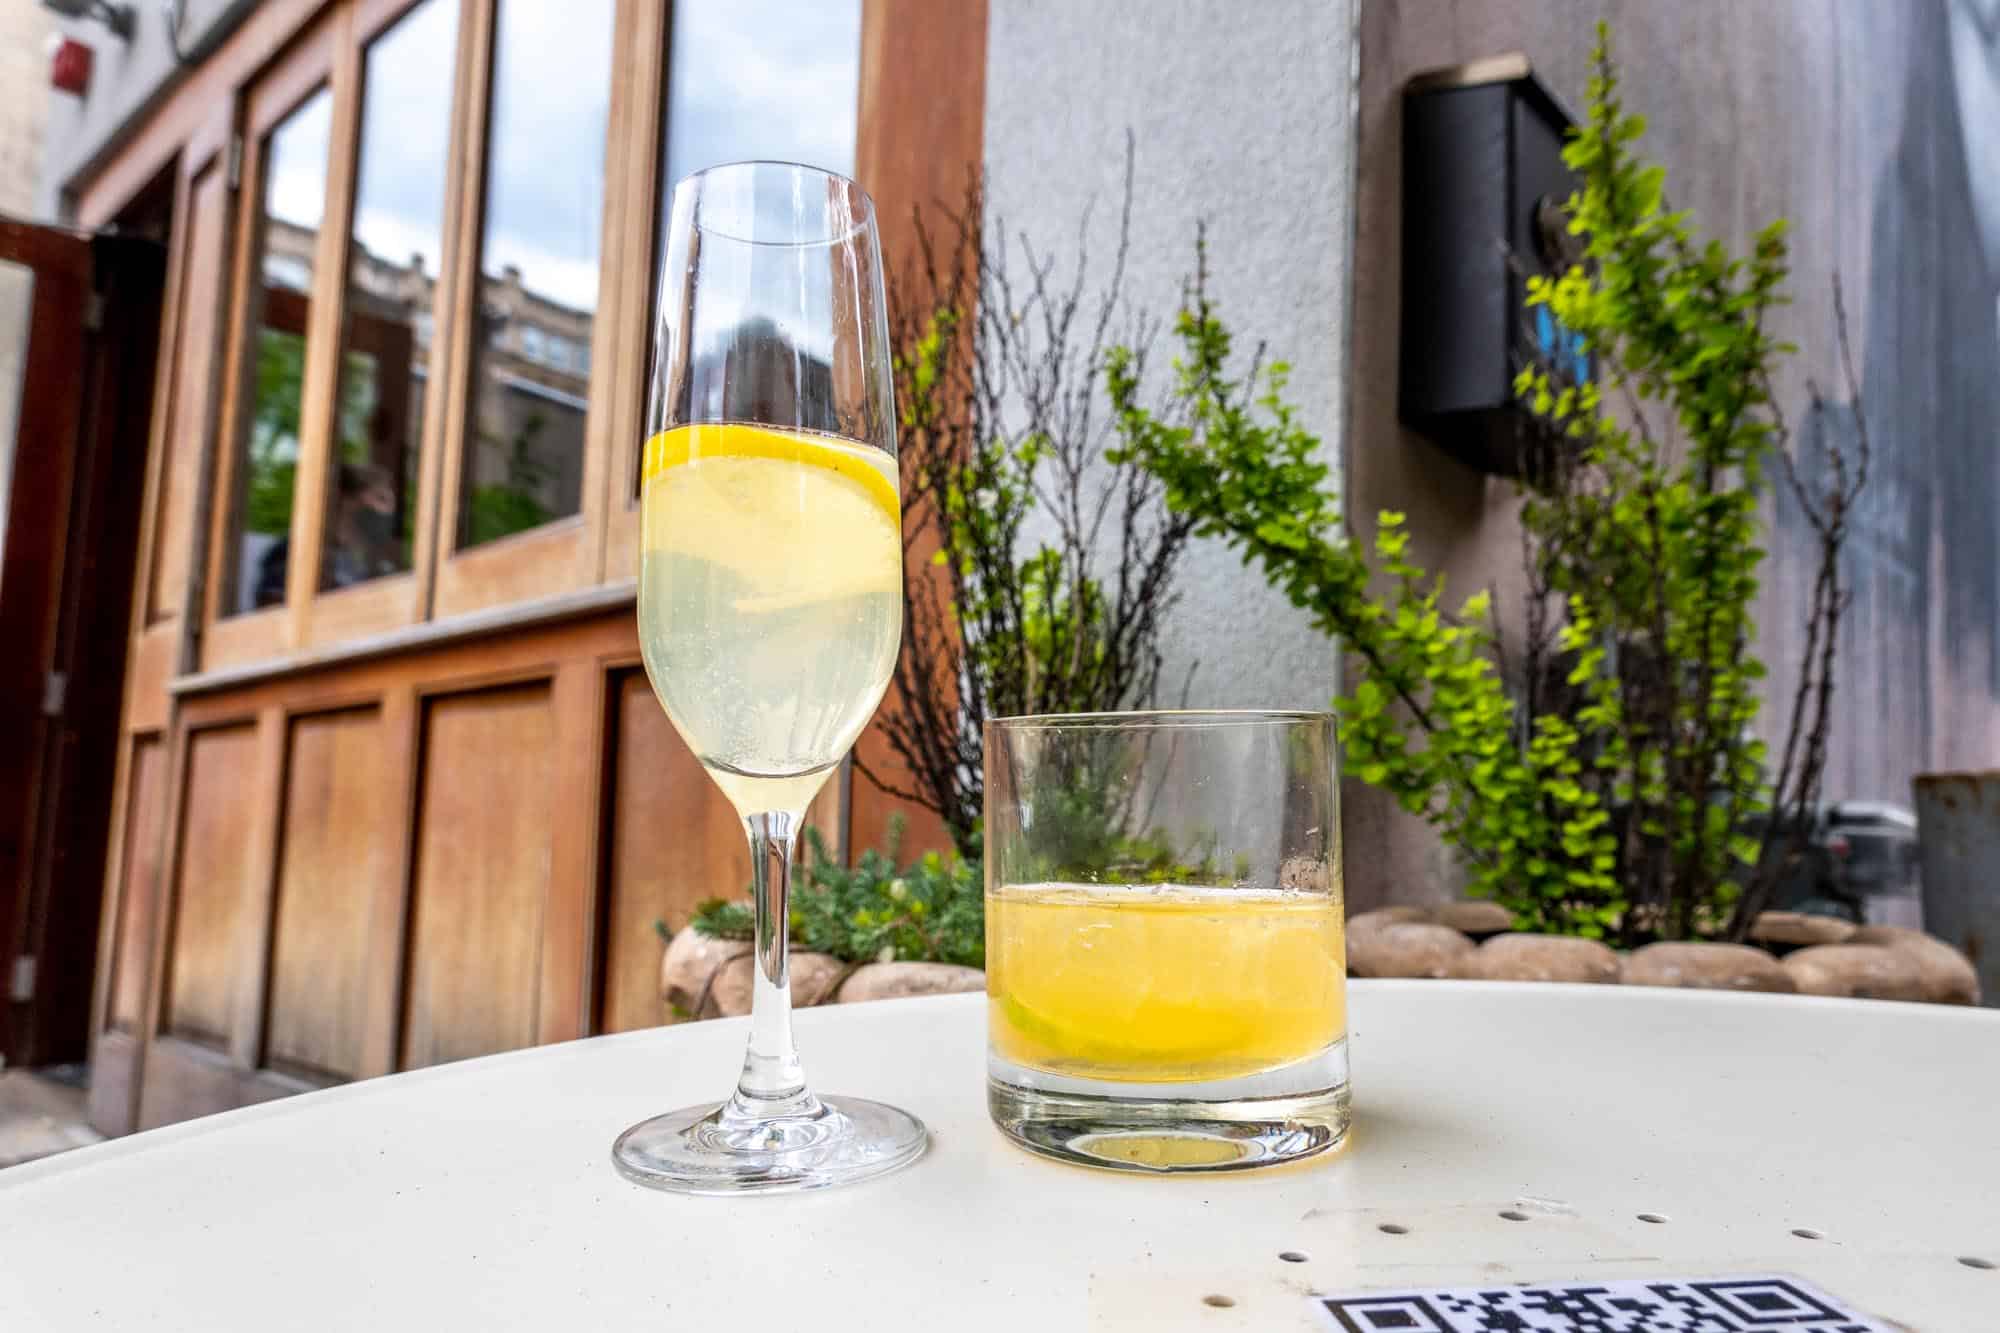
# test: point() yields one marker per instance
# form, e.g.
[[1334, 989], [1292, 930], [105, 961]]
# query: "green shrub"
[[1616, 786], [931, 910]]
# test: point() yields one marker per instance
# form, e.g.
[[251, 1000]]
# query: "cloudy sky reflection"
[[748, 78]]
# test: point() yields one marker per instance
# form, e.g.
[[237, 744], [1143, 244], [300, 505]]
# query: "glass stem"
[[773, 1081]]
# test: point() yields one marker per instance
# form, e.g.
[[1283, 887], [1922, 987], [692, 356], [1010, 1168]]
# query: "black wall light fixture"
[[1483, 188]]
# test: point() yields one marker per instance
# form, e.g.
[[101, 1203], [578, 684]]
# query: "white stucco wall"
[[127, 76], [1243, 115]]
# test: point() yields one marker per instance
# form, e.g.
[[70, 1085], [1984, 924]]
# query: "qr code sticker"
[[1646, 1305]]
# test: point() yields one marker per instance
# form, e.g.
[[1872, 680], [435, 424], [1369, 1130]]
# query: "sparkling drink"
[[770, 606]]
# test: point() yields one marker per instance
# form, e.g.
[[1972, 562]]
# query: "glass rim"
[[862, 220], [1161, 718]]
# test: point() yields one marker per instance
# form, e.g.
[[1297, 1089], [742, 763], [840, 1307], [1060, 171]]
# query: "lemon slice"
[[872, 469], [1154, 1033]]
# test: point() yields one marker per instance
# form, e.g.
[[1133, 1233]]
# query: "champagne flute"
[[770, 602]]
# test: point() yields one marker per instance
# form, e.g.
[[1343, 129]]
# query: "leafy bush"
[[1051, 568], [1615, 787], [931, 910]]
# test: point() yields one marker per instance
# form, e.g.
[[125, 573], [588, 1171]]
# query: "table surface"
[[481, 1195]]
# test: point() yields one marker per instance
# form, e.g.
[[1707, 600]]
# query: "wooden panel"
[[484, 830], [919, 142], [569, 914], [185, 1079], [214, 887], [636, 215], [921, 131], [339, 845], [139, 883], [674, 841], [194, 381], [114, 1069]]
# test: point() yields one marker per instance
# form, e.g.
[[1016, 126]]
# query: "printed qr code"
[[1647, 1305]]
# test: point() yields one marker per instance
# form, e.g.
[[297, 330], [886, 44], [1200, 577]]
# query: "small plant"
[[1614, 786], [1039, 571], [931, 910]]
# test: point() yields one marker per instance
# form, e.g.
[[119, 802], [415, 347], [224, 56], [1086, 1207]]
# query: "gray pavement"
[[40, 1116]]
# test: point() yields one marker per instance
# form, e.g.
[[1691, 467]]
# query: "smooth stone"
[[1947, 975], [1864, 971], [1477, 919], [1527, 957], [690, 960], [1735, 967], [1799, 928], [1399, 915], [891, 981], [1405, 949], [814, 977]]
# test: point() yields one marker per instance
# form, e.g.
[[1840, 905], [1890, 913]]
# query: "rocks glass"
[[1166, 971]]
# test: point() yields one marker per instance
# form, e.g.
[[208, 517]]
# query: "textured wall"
[[125, 78], [1874, 127], [24, 109], [1242, 115], [1866, 126]]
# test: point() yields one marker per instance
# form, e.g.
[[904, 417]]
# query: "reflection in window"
[[294, 203], [792, 93], [792, 89], [393, 260], [538, 266], [17, 290]]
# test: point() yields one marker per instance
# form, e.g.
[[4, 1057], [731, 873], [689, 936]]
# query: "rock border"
[[702, 977], [1788, 953]]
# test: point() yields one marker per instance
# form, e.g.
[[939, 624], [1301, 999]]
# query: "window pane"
[[538, 265], [294, 202], [791, 90], [792, 93], [393, 260], [17, 291]]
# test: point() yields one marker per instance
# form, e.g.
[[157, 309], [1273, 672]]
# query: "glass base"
[[708, 1150], [1236, 1125]]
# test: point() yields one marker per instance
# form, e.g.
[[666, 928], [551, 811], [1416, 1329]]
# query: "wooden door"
[[66, 580], [433, 811]]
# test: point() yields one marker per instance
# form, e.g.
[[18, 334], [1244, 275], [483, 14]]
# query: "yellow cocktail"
[[770, 604], [1163, 984]]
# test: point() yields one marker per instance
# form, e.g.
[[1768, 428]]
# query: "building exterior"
[[409, 799], [24, 113]]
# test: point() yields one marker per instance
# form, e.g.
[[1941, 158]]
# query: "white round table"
[[1849, 1143]]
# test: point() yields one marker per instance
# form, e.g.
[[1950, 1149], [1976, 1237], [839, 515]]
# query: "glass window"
[[792, 94], [792, 90], [538, 264], [17, 290], [294, 204], [393, 259]]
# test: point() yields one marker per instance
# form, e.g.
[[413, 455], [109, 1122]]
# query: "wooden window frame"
[[319, 58], [378, 605], [567, 554], [639, 169]]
